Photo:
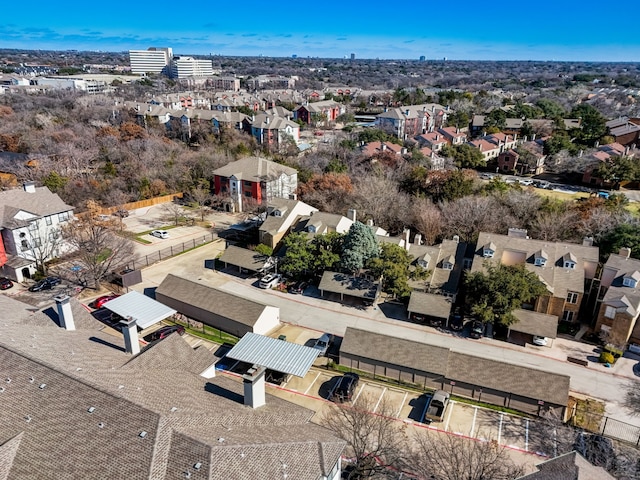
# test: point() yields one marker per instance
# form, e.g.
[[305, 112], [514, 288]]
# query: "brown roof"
[[507, 377], [244, 258], [535, 323], [570, 466], [342, 283], [395, 351], [429, 304], [254, 169]]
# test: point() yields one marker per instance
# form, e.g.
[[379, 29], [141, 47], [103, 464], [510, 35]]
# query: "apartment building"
[[184, 67]]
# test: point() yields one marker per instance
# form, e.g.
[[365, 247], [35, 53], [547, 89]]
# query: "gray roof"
[[507, 377], [285, 357], [342, 283], [535, 323], [622, 266], [395, 351], [245, 258], [569, 466], [429, 304], [254, 169], [525, 381], [40, 203], [144, 310], [188, 419], [224, 304], [440, 278]]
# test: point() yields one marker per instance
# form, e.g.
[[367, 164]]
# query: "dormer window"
[[489, 250], [569, 261], [540, 262], [311, 229], [448, 263], [424, 261], [447, 266], [540, 258], [277, 213], [631, 279]]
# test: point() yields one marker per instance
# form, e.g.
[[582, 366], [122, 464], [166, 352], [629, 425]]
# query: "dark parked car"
[[45, 284], [165, 332], [5, 283], [346, 387], [298, 287], [457, 322], [477, 329]]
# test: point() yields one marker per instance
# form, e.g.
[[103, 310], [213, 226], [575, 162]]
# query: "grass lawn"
[[561, 195]]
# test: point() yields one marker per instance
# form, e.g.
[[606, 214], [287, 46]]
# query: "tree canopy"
[[360, 245], [493, 295], [465, 156]]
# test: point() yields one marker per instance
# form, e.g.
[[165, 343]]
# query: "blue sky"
[[501, 30]]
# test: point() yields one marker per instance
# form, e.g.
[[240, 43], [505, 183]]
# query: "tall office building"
[[182, 67], [152, 60]]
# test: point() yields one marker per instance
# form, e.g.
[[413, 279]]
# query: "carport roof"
[[395, 351], [535, 323], [278, 355], [144, 310], [506, 377], [429, 304], [344, 284], [244, 258]]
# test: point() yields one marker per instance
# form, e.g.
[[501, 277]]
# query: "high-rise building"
[[182, 67], [152, 60], [353, 56]]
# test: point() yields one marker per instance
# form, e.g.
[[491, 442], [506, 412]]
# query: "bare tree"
[[468, 216], [554, 226], [200, 196], [449, 457], [377, 441], [174, 212], [98, 248], [427, 219]]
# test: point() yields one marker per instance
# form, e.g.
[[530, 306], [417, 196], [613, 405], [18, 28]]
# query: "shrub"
[[606, 357]]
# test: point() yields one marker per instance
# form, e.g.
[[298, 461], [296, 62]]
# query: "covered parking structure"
[[532, 324], [429, 308], [522, 388], [136, 306], [246, 260], [349, 286], [219, 309]]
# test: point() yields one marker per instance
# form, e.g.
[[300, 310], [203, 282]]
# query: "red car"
[[100, 301]]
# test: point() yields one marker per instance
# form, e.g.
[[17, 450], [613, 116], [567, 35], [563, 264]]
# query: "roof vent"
[[101, 425], [198, 466], [91, 409], [27, 418], [174, 409], [8, 380], [1, 389], [221, 440], [187, 474], [31, 379], [42, 385], [142, 434]]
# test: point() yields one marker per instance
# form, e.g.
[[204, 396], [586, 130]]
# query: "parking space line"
[[402, 404], [196, 344], [358, 396], [446, 425], [473, 423], [379, 400], [526, 435], [311, 385], [500, 428]]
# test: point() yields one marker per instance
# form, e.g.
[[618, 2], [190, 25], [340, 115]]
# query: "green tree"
[[325, 251], [624, 235], [592, 126], [298, 259], [459, 119], [493, 295], [54, 181], [393, 266], [465, 156], [458, 185], [360, 245], [497, 118], [263, 249], [551, 109]]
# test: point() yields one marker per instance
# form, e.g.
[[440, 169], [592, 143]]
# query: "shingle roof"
[[535, 323], [348, 285], [243, 257], [210, 299], [570, 466], [395, 351], [429, 304], [40, 203], [254, 169]]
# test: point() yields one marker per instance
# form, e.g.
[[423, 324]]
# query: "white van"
[[269, 281]]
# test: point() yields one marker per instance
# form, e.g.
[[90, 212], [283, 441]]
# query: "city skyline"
[[466, 31]]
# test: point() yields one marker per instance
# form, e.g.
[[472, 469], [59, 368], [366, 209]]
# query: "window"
[[247, 183], [629, 282], [63, 217], [48, 220], [610, 312], [25, 245], [447, 266], [569, 264], [247, 194], [488, 253], [540, 262], [572, 297], [568, 315]]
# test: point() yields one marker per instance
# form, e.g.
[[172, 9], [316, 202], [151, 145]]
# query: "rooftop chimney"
[[417, 240], [587, 241], [29, 187], [625, 252], [370, 222], [253, 381], [407, 236], [65, 315], [517, 232], [351, 214], [130, 332]]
